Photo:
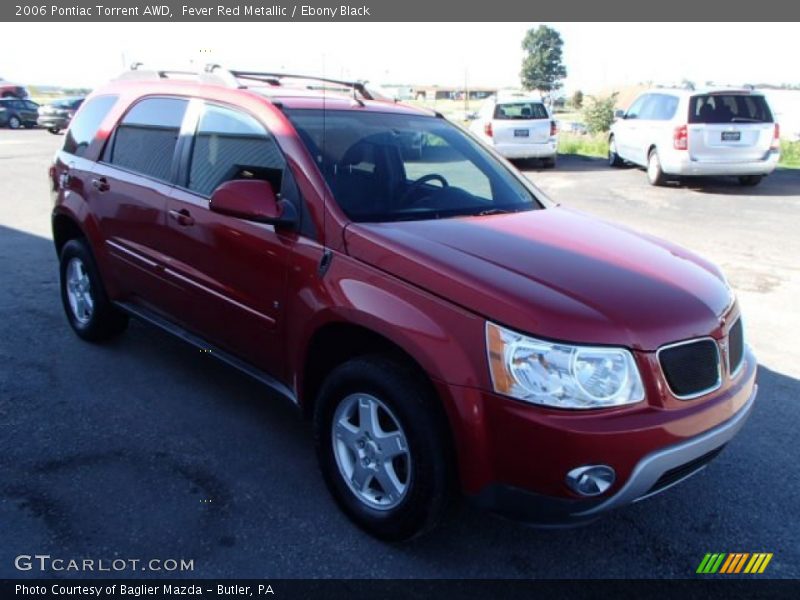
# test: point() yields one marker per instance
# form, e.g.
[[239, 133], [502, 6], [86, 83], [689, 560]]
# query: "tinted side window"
[[86, 123], [145, 140], [232, 145]]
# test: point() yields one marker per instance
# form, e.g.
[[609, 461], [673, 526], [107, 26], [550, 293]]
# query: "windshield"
[[390, 167], [729, 108]]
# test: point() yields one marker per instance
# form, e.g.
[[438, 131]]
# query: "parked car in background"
[[439, 319], [56, 115], [12, 90], [518, 127], [680, 132], [575, 127], [16, 113]]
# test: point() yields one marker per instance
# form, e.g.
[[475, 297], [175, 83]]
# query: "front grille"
[[684, 470], [735, 347], [691, 368]]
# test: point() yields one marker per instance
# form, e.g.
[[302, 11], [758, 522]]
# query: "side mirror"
[[619, 114], [252, 200]]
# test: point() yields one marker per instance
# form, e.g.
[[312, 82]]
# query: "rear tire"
[[406, 452], [750, 180], [613, 158], [54, 130], [549, 163], [654, 173], [14, 122], [89, 311]]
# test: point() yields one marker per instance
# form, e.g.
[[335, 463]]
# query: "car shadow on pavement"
[[565, 162], [145, 447], [782, 182]]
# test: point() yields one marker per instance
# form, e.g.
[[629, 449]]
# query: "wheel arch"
[[336, 342]]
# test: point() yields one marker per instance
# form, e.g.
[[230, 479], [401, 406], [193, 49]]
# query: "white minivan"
[[518, 127], [690, 132]]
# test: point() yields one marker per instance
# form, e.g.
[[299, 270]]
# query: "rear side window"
[[146, 137], [230, 144], [729, 108], [520, 110], [86, 123]]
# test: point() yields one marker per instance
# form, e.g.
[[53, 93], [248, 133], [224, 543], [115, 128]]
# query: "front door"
[[234, 270]]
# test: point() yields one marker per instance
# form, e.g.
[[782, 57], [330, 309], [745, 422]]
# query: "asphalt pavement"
[[146, 448]]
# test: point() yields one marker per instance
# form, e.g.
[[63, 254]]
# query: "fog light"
[[591, 480]]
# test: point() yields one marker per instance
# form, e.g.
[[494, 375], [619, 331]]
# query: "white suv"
[[518, 127], [688, 132]]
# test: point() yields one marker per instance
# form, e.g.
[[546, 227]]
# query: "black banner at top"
[[393, 10]]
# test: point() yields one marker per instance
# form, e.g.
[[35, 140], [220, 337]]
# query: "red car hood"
[[554, 273]]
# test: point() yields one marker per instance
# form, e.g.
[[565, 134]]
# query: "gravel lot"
[[145, 448]]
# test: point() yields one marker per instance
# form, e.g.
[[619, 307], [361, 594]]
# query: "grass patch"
[[790, 154], [596, 146]]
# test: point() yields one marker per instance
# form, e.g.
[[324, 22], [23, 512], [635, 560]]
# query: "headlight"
[[560, 375]]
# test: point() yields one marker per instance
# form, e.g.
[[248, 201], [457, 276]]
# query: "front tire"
[[654, 173], [381, 442], [613, 158], [89, 311], [54, 130]]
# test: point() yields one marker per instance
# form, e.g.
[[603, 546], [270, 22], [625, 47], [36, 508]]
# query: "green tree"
[[542, 66], [577, 99], [598, 113]]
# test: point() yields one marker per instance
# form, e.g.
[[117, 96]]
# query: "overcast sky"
[[597, 55]]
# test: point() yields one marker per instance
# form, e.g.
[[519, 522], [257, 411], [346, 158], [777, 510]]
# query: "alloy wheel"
[[371, 451]]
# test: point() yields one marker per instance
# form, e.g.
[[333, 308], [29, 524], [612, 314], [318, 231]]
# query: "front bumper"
[[513, 457], [50, 122], [685, 165], [656, 472], [546, 149]]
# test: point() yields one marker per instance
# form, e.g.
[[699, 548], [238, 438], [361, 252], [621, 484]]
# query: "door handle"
[[182, 217], [101, 184]]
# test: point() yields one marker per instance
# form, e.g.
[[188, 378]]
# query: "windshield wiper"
[[493, 211]]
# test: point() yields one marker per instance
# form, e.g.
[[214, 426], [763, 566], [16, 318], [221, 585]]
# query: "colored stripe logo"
[[734, 562]]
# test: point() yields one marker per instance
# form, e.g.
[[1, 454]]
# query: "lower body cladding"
[[522, 150], [682, 163], [529, 452]]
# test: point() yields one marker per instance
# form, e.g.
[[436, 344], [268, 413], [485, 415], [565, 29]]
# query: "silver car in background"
[[518, 127], [677, 132]]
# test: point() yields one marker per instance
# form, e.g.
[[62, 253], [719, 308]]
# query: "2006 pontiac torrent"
[[445, 325]]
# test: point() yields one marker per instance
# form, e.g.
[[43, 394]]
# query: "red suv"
[[442, 322]]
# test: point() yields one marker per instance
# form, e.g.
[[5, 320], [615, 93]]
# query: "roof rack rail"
[[275, 79], [211, 73]]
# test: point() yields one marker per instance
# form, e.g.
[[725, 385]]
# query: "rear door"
[[521, 123], [129, 190], [654, 126], [729, 127], [235, 271]]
